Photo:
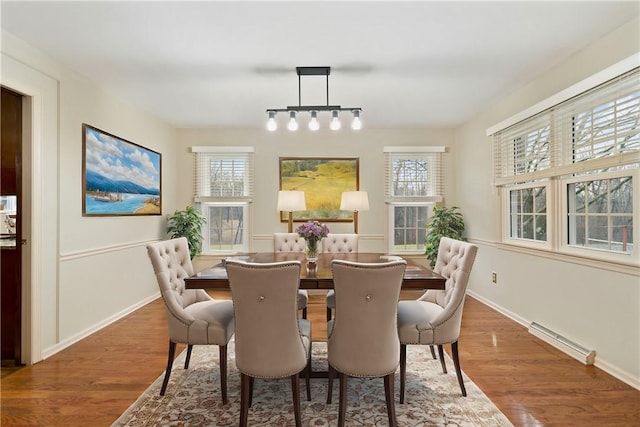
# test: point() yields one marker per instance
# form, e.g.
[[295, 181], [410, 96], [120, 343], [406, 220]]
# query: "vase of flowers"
[[312, 232]]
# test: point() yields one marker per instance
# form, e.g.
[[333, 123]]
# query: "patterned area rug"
[[193, 397]]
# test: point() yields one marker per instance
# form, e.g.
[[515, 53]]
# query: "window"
[[575, 164], [413, 184], [600, 212], [224, 190], [528, 213]]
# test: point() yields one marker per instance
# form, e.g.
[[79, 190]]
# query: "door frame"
[[40, 255]]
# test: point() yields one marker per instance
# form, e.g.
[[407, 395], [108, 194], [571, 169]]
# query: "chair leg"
[[295, 392], [442, 362], [167, 374], [342, 405], [245, 393], [456, 363], [188, 358], [307, 379], [433, 352], [251, 381], [304, 313], [330, 376], [403, 370], [223, 372], [388, 394]]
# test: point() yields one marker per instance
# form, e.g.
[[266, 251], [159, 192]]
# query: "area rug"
[[193, 397]]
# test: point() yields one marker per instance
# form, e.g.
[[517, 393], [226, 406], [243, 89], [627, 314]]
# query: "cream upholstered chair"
[[435, 317], [338, 243], [292, 242], [363, 336], [193, 317], [271, 341]]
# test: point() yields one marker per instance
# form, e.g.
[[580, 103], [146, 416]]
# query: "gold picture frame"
[[323, 181]]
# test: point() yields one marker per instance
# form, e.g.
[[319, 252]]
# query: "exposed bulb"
[[356, 124], [314, 124], [292, 125], [272, 125], [335, 122]]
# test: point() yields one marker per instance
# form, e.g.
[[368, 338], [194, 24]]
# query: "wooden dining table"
[[316, 275]]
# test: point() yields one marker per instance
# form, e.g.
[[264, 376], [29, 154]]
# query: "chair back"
[[288, 242], [267, 337], [454, 262], [363, 337], [340, 243], [172, 264]]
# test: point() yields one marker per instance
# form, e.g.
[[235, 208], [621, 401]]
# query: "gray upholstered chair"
[[363, 336], [292, 242], [435, 317], [193, 317], [271, 341], [338, 243]]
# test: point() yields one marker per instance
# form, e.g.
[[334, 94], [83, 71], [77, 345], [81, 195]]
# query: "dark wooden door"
[[10, 249]]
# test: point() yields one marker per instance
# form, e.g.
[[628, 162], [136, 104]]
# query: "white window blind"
[[413, 174], [223, 173], [595, 130]]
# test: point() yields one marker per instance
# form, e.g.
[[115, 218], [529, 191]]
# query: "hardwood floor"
[[92, 382]]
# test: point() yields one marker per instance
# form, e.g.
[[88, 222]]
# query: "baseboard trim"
[[609, 368], [50, 351]]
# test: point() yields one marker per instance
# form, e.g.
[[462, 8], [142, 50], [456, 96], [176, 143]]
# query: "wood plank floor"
[[92, 382]]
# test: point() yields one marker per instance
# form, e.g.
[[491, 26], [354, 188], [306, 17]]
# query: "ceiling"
[[222, 64]]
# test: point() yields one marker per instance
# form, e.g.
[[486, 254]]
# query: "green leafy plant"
[[187, 223], [445, 222]]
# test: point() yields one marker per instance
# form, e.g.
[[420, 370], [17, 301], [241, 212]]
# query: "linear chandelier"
[[313, 110]]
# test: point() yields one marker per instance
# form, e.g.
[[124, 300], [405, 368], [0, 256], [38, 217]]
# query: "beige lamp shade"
[[354, 201], [291, 201]]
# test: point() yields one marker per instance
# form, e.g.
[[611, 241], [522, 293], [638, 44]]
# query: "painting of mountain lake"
[[120, 177]]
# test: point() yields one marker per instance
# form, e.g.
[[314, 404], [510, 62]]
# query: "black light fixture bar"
[[293, 109]]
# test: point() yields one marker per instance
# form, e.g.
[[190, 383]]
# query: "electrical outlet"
[[494, 277]]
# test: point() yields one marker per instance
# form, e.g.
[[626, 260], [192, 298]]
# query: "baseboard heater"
[[574, 350]]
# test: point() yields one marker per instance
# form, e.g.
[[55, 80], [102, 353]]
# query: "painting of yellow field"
[[323, 180]]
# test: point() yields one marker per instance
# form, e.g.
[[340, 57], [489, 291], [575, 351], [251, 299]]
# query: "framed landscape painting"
[[323, 180], [119, 176]]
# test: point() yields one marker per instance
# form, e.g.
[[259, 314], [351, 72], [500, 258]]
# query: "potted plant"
[[445, 222], [187, 223]]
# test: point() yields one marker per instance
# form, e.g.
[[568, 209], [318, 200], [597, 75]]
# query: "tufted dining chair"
[[435, 317], [338, 243], [271, 341], [193, 317], [363, 336], [292, 242]]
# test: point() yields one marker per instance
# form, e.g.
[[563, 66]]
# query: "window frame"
[[613, 91], [203, 198], [506, 215], [206, 244], [434, 190], [604, 254]]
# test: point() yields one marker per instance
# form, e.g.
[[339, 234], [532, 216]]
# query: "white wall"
[[366, 145], [92, 270], [592, 305]]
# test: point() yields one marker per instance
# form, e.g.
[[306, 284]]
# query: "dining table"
[[317, 275]]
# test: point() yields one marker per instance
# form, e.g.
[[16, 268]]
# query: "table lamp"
[[290, 201], [354, 201]]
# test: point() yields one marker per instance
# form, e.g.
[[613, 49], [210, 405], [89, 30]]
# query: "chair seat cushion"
[[305, 327], [213, 324], [303, 298], [331, 299], [414, 321]]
